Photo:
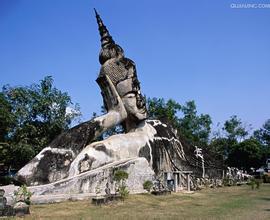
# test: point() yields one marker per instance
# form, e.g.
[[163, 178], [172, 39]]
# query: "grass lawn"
[[238, 202]]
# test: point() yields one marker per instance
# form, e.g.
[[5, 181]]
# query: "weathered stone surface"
[[53, 162], [137, 168], [170, 153], [44, 199], [112, 149]]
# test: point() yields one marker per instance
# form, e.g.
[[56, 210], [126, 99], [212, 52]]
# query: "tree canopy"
[[31, 117], [235, 129], [245, 154]]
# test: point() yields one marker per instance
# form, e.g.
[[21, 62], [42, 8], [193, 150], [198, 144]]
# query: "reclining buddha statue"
[[76, 151]]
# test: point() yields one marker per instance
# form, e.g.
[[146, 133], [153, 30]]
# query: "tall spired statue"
[[118, 80], [78, 162]]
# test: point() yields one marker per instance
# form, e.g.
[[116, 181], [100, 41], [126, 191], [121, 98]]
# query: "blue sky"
[[185, 50]]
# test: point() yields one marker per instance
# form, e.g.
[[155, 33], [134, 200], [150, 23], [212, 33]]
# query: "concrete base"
[[83, 186]]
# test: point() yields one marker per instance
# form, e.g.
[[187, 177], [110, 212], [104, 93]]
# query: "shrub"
[[123, 191], [147, 185], [23, 194], [120, 177], [252, 183]]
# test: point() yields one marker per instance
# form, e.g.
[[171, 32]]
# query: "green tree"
[[235, 129], [263, 136], [120, 176], [7, 120], [246, 154], [233, 132], [235, 149], [195, 128], [222, 146], [164, 111], [34, 116]]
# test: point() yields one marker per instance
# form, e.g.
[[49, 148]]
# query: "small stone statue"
[[199, 154], [107, 189], [5, 210], [3, 202]]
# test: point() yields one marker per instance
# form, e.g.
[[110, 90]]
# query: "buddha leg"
[[115, 148]]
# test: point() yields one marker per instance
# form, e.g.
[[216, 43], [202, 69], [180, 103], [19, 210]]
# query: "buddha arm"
[[116, 110]]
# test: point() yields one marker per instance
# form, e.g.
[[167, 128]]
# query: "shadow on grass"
[[265, 198]]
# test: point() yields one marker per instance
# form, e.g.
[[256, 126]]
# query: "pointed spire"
[[109, 49], [106, 38]]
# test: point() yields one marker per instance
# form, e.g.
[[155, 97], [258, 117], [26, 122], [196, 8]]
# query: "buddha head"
[[122, 73]]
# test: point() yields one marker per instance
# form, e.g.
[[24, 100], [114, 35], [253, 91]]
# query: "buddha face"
[[129, 91], [132, 103]]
